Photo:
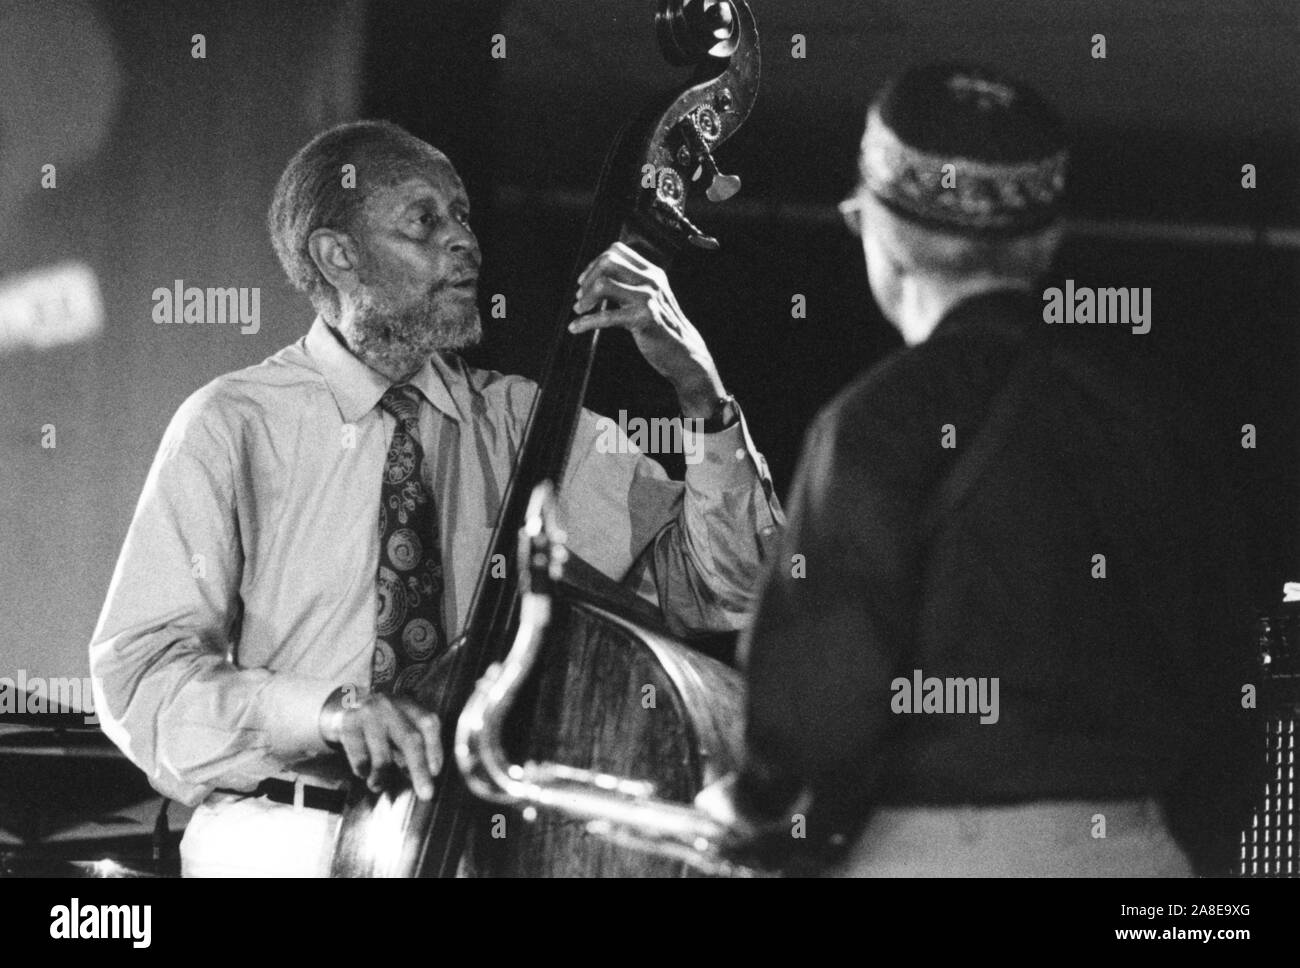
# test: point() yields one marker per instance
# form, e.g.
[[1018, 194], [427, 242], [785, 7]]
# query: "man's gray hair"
[[310, 194], [951, 255]]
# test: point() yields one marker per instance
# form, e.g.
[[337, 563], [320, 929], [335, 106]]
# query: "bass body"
[[588, 705], [613, 693]]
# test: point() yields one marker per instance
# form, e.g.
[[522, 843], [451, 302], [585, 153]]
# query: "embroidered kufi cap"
[[1005, 144]]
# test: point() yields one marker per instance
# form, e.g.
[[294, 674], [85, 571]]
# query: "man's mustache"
[[457, 274]]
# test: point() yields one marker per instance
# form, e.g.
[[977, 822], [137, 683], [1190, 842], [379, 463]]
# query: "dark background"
[[166, 165], [1187, 94]]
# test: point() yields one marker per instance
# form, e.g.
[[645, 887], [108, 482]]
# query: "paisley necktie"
[[409, 631]]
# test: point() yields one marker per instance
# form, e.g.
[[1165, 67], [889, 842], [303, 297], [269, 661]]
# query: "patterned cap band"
[[973, 196]]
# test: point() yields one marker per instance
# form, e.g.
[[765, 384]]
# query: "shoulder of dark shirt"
[[907, 397], [1089, 385], [973, 351]]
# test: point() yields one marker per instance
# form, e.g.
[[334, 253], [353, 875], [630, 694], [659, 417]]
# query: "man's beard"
[[401, 336]]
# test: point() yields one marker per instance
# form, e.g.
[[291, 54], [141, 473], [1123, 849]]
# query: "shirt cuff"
[[294, 703], [725, 460]]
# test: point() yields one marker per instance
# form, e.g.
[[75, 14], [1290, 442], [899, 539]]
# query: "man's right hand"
[[380, 731]]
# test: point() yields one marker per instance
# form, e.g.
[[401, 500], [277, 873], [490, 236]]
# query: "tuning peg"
[[697, 131], [721, 187]]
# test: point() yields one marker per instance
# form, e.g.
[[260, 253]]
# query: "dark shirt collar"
[[1007, 311]]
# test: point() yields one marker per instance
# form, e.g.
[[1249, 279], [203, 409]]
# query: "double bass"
[[583, 708]]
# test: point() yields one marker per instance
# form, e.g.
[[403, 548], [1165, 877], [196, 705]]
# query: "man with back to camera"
[[1017, 645], [311, 530]]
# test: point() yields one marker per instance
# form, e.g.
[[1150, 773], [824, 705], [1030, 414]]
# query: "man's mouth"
[[465, 284]]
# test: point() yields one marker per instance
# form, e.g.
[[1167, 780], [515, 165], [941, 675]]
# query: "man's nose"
[[461, 240]]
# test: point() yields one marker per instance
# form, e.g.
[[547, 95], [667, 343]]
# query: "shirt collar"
[[357, 388], [1008, 311]]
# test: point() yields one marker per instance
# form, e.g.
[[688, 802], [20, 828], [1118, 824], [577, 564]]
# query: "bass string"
[[603, 225]]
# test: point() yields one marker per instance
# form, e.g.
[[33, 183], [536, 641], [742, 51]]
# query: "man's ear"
[[336, 256]]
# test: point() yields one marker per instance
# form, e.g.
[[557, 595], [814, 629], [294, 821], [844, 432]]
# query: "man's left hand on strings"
[[640, 300]]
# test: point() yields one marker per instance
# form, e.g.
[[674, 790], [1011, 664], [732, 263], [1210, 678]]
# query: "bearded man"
[[308, 539]]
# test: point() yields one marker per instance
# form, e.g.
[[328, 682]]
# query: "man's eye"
[[430, 219]]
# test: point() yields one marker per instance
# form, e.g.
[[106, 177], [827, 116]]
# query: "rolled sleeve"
[[732, 463], [696, 547]]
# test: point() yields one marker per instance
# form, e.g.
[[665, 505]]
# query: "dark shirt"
[[1116, 687]]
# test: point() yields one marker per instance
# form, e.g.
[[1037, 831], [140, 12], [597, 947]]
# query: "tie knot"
[[403, 402]]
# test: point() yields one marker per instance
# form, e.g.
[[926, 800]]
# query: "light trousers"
[[245, 836]]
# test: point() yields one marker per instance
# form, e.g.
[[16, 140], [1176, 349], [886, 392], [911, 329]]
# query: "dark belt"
[[282, 791]]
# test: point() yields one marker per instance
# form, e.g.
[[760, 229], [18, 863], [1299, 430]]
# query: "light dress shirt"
[[245, 592]]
